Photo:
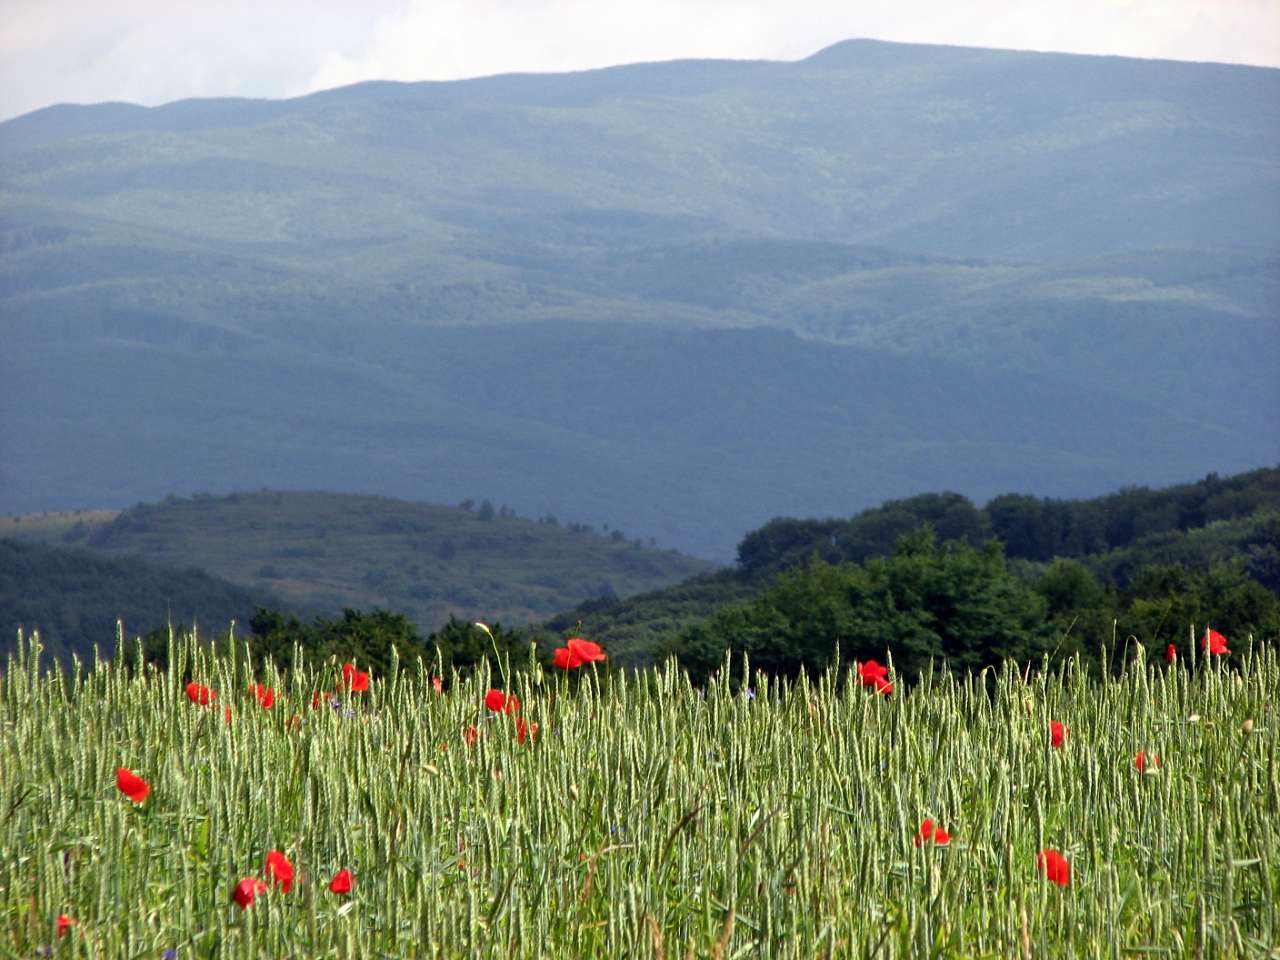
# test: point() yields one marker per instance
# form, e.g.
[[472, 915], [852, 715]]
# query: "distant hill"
[[683, 297], [1193, 526], [73, 598], [322, 552]]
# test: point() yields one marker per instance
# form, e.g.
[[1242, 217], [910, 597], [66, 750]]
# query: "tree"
[[1080, 608], [783, 542], [464, 646], [952, 602], [365, 639]]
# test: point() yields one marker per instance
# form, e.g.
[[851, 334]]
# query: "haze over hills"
[[682, 297]]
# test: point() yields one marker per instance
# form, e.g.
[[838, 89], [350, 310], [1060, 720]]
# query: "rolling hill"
[[685, 297], [319, 553]]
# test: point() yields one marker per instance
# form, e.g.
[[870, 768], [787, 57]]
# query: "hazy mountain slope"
[[1002, 271], [960, 151], [324, 552], [686, 437]]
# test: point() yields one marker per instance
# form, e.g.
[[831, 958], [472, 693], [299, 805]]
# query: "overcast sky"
[[154, 51]]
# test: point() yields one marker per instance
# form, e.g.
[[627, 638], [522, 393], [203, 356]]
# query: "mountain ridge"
[[853, 50]]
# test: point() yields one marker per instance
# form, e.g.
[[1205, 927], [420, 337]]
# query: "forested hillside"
[[1135, 519], [1019, 577], [74, 598]]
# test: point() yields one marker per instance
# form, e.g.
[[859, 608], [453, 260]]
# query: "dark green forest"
[[74, 598], [937, 576]]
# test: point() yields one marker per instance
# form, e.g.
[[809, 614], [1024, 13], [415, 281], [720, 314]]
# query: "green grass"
[[648, 819]]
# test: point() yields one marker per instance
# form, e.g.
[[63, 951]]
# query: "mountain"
[[321, 552], [684, 297]]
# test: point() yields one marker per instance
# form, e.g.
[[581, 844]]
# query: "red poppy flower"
[[246, 890], [500, 702], [64, 924], [875, 675], [1171, 653], [353, 679], [1057, 733], [198, 693], [470, 735], [228, 714], [341, 882], [131, 785], [1141, 761], [928, 831], [279, 870], [575, 653], [437, 685], [585, 650], [525, 731], [1054, 866], [1214, 642], [266, 696], [925, 831]]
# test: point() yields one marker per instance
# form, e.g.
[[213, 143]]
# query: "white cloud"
[[152, 51]]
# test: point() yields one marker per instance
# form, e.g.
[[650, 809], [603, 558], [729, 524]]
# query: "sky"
[[156, 51]]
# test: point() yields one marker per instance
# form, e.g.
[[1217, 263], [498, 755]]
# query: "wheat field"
[[628, 814]]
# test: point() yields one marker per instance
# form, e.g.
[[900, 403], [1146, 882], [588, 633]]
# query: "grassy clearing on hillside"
[[647, 818], [55, 526]]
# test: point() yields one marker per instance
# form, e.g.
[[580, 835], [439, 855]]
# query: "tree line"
[[927, 600]]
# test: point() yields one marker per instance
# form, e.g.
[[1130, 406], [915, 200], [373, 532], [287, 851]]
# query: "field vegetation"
[[211, 809]]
